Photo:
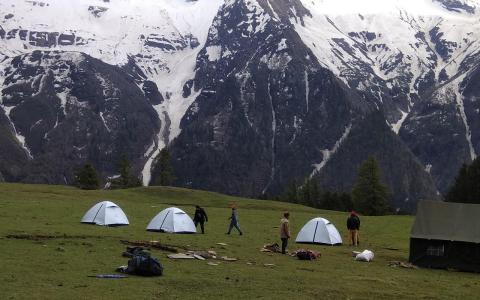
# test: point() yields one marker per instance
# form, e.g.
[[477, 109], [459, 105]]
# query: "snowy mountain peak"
[[407, 45], [444, 8]]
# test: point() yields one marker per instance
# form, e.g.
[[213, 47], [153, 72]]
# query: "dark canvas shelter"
[[446, 235]]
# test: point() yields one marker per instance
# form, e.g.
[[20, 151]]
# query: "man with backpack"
[[200, 217], [353, 226]]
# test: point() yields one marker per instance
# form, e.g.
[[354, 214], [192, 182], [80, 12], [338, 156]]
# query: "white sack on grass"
[[366, 255]]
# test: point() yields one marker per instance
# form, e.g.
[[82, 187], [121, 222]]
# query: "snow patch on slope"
[[20, 138], [468, 133], [214, 52], [327, 153], [243, 78], [275, 15], [274, 132], [396, 127], [307, 88]]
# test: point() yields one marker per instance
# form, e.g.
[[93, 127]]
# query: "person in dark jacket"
[[284, 231], [200, 217], [353, 226], [234, 221]]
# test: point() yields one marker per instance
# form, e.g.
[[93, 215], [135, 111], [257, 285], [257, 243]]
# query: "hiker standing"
[[284, 231], [353, 226], [200, 217], [234, 221]]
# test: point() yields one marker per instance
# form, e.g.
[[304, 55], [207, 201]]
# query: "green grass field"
[[58, 268]]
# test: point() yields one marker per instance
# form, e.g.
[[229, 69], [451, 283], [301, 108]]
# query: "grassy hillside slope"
[[57, 268]]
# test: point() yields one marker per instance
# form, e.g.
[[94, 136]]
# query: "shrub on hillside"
[[86, 178], [126, 179]]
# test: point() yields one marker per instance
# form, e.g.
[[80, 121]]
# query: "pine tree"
[[127, 179], [124, 171], [305, 193], [459, 191], [314, 193], [165, 177], [86, 178], [309, 193], [346, 200], [466, 188], [328, 201], [369, 193], [474, 182], [291, 195]]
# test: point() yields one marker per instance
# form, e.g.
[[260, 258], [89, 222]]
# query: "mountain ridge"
[[272, 89]]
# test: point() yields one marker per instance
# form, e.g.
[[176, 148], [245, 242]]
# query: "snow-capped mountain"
[[405, 56], [158, 40], [248, 94]]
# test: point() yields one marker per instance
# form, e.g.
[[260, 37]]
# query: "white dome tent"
[[319, 231], [105, 213], [172, 220]]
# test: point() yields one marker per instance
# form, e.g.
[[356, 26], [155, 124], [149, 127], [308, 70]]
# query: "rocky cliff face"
[[269, 113], [65, 109], [249, 95], [257, 120], [12, 155]]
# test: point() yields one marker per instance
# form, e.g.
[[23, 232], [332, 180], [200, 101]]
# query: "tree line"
[[466, 188], [87, 177], [369, 195]]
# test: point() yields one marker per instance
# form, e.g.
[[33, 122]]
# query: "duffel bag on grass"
[[144, 265]]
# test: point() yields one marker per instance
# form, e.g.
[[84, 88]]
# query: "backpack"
[[303, 254], [145, 265]]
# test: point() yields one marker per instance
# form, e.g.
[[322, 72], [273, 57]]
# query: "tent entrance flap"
[[160, 228], [97, 213], [315, 233]]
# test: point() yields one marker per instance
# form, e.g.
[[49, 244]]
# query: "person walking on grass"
[[200, 217], [353, 226], [284, 231], [234, 221]]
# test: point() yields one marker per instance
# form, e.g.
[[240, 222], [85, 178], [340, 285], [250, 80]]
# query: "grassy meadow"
[[58, 267]]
